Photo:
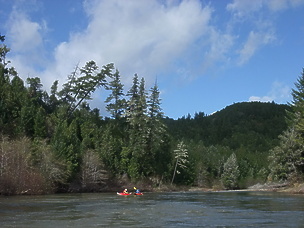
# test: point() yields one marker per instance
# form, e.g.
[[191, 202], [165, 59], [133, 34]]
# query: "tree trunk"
[[174, 172]]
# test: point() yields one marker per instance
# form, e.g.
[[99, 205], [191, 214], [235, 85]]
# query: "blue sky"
[[205, 55]]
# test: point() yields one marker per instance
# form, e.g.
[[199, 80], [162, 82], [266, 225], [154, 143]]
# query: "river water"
[[182, 209]]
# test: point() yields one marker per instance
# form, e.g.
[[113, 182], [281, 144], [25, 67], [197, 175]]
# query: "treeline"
[[254, 125], [247, 129], [55, 142], [59, 143]]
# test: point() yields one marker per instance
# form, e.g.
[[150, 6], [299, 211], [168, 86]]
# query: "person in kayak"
[[137, 191], [125, 191]]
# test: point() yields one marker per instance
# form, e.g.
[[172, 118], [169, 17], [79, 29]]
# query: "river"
[[181, 209]]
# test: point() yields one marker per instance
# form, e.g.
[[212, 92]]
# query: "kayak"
[[123, 194], [128, 194]]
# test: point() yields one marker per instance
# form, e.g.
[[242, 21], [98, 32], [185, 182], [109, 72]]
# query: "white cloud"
[[244, 8], [24, 33], [280, 93], [26, 38], [261, 99], [241, 8], [259, 15], [143, 37], [277, 5], [254, 41], [219, 45]]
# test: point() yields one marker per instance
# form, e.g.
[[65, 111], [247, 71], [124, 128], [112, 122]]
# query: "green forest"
[[53, 142]]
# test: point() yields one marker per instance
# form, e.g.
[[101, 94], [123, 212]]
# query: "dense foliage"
[[51, 142], [287, 159], [248, 129], [67, 145]]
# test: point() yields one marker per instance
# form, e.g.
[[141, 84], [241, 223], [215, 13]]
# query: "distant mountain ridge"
[[253, 125]]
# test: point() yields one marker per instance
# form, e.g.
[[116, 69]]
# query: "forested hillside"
[[55, 142], [248, 129], [254, 125]]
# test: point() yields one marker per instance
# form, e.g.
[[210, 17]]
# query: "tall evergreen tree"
[[40, 124], [231, 173], [133, 99], [82, 83], [66, 146], [137, 119], [53, 102], [287, 159], [12, 92], [157, 138], [110, 148], [115, 100], [3, 52], [298, 93], [35, 91]]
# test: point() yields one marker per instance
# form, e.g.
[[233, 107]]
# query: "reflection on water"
[[183, 209]]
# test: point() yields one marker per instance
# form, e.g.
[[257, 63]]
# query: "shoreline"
[[297, 188]]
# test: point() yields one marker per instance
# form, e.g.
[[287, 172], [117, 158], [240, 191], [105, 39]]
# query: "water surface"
[[182, 209]]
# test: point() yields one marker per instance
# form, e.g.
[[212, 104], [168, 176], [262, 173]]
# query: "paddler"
[[125, 191], [136, 190]]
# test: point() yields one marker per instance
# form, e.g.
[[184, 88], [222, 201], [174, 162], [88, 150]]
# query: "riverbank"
[[119, 185], [297, 188]]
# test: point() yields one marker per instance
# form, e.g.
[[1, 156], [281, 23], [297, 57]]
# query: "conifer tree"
[[66, 146], [157, 138], [35, 91], [82, 83], [130, 114], [40, 124], [133, 99], [53, 102], [230, 173], [137, 119], [117, 104], [110, 148], [287, 159], [12, 93]]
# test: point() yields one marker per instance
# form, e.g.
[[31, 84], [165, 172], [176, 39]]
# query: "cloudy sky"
[[204, 54]]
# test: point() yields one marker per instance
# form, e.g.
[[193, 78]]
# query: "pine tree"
[[82, 83], [35, 91], [137, 119], [157, 138], [133, 101], [230, 173], [12, 94], [298, 93], [66, 146], [117, 104], [53, 102], [40, 124], [287, 159], [110, 149]]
